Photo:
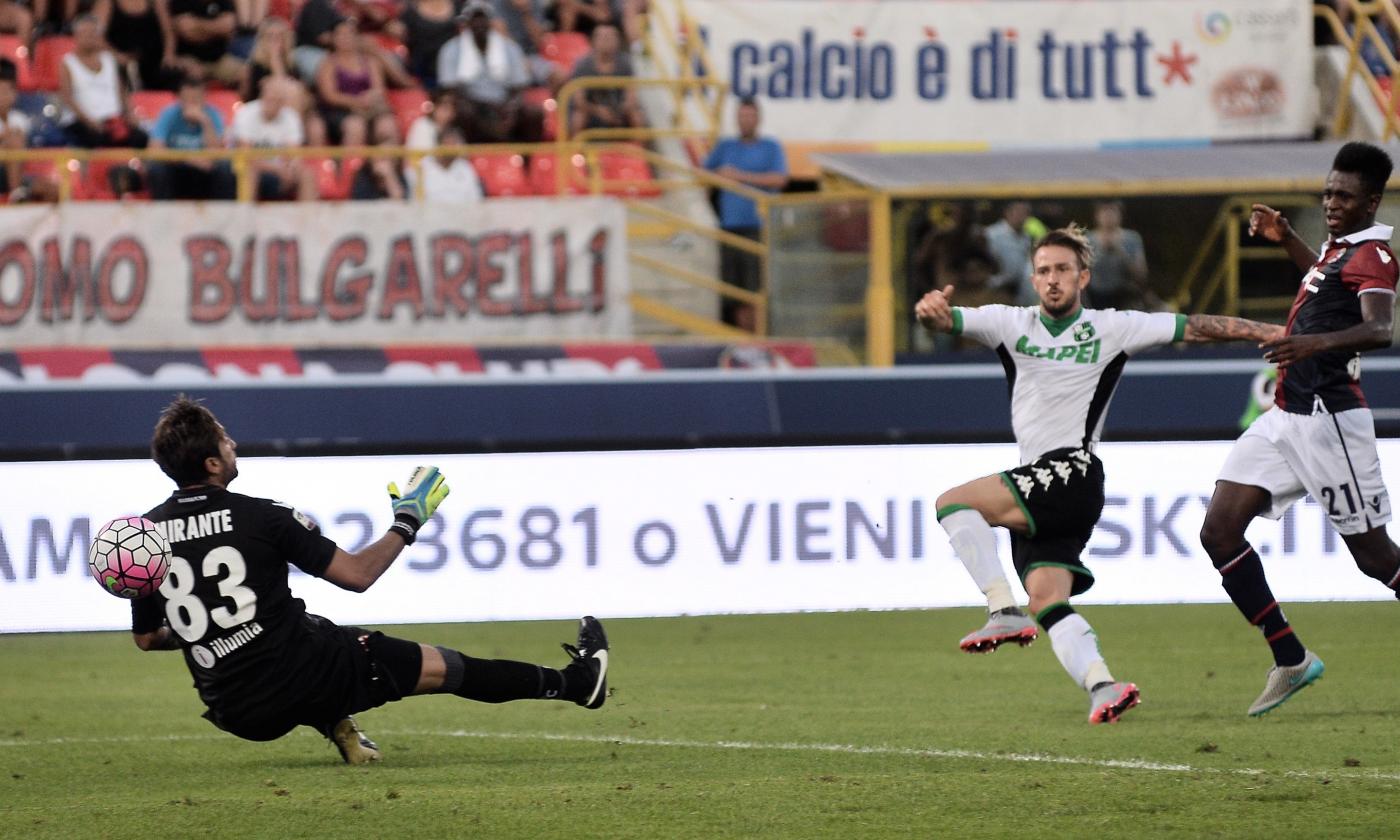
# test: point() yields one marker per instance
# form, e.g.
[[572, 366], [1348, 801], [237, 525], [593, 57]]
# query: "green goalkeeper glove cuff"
[[425, 490]]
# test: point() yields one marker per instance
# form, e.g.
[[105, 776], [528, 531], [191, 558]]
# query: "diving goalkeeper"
[[262, 664]]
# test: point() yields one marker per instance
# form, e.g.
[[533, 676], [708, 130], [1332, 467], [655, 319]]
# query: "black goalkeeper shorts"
[[1061, 494], [330, 672]]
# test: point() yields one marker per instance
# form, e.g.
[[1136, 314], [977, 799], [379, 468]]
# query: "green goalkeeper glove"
[[425, 490]]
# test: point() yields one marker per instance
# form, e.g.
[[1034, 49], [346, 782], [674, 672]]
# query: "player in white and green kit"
[[1062, 365]]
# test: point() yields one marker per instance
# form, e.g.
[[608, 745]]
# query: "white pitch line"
[[905, 752], [777, 746], [109, 739]]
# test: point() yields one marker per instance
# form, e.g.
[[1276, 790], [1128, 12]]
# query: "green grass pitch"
[[851, 725]]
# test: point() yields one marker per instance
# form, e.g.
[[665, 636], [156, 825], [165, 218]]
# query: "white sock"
[[975, 544], [1077, 647]]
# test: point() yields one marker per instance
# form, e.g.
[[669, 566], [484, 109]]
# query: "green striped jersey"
[[1062, 373]]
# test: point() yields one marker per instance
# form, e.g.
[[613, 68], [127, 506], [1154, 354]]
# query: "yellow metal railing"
[[576, 87], [669, 175], [683, 50], [1365, 33], [684, 68], [1219, 290], [694, 177], [686, 51], [68, 163]]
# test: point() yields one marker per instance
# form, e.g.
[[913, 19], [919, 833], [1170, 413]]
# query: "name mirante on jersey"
[[198, 525]]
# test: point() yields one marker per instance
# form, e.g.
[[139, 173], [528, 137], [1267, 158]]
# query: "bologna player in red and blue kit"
[[1320, 438]]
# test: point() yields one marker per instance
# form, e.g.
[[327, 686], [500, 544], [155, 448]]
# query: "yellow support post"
[[67, 170], [1232, 265], [245, 180], [761, 309], [879, 293]]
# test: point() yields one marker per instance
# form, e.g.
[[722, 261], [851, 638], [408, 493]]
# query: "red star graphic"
[[1178, 64]]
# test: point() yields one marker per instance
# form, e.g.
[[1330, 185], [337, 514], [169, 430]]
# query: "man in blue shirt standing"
[[756, 162], [190, 123]]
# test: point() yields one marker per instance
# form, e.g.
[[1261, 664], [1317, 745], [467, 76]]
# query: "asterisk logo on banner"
[[1178, 64]]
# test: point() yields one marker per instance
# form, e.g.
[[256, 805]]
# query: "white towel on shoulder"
[[497, 59]]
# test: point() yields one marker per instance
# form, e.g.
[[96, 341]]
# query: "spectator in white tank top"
[[94, 94]]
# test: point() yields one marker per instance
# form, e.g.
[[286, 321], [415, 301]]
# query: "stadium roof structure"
[[1037, 173]]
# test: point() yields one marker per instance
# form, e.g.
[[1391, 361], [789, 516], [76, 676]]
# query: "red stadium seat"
[[13, 48], [846, 227], [16, 51], [628, 168], [332, 181], [147, 104], [41, 168], [544, 175], [409, 104], [48, 55], [390, 44], [285, 9], [564, 49], [543, 98], [91, 184], [1386, 84], [225, 102], [502, 174], [46, 170]]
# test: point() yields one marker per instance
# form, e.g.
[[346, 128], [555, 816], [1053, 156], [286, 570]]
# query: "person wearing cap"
[[490, 71], [526, 22]]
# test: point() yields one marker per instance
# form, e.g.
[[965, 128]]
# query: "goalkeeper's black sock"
[[498, 680], [1242, 575]]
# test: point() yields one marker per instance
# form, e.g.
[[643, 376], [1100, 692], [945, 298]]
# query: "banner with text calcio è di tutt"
[[205, 274], [1050, 72], [558, 535]]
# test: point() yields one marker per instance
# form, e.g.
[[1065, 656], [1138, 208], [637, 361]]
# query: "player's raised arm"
[[425, 490], [1272, 225], [935, 310], [1201, 328]]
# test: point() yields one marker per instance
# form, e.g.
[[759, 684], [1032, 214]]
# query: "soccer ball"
[[129, 557]]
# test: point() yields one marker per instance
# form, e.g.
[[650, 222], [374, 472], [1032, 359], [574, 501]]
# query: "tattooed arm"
[[1225, 328]]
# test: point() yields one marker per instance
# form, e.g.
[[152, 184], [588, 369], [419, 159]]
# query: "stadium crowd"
[[985, 251], [207, 74]]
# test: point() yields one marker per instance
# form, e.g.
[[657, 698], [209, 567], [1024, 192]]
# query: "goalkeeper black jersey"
[[226, 596]]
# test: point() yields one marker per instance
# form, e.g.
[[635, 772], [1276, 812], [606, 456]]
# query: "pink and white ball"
[[129, 557]]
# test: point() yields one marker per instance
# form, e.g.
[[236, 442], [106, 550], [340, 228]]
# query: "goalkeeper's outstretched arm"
[[425, 490], [358, 571], [1201, 328]]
